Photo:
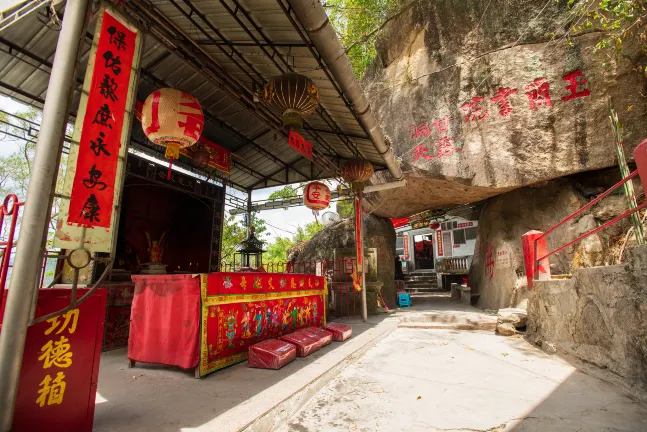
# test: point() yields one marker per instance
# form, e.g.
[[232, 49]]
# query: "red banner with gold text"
[[91, 201], [300, 144]]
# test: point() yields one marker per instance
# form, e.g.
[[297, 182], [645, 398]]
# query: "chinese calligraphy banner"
[[300, 144], [95, 170], [60, 367], [220, 157]]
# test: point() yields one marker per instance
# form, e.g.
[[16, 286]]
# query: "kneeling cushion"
[[271, 354], [305, 343], [324, 336], [340, 332]]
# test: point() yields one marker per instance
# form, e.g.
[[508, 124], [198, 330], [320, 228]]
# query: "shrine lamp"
[[249, 252], [294, 96]]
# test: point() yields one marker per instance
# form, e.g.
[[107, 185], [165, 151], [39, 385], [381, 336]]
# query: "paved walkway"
[[448, 380]]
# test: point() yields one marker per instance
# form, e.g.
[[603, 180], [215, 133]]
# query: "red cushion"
[[304, 342], [271, 354], [324, 337], [340, 332]]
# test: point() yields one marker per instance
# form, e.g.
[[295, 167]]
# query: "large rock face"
[[378, 233], [438, 59], [497, 272]]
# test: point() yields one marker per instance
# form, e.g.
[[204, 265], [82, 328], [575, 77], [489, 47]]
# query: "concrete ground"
[[448, 380], [159, 398]]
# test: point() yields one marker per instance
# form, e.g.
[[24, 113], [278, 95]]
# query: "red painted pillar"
[[534, 271]]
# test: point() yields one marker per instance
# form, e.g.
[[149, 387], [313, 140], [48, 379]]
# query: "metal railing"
[[535, 249]]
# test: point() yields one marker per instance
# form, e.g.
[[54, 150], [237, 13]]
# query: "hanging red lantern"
[[356, 172], [294, 95], [434, 225], [173, 119], [316, 196]]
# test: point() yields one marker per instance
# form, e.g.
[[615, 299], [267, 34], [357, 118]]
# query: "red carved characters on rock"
[[501, 99], [420, 130], [575, 80], [442, 125], [473, 110], [420, 151], [538, 93], [445, 147]]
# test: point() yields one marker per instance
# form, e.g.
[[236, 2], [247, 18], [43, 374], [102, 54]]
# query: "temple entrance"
[[423, 246]]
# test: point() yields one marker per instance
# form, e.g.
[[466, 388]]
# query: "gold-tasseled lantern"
[[356, 172], [173, 119], [316, 196], [294, 95]]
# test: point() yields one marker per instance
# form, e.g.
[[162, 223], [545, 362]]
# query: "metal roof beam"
[[211, 42]]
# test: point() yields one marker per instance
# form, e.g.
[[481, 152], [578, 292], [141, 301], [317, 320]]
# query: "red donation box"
[[60, 366]]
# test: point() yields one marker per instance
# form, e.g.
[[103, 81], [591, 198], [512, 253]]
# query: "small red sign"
[[300, 144], [91, 201], [465, 224], [60, 365], [220, 156], [406, 247]]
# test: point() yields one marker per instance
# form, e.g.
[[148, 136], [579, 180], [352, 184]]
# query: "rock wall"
[[599, 316], [497, 270], [485, 96], [379, 234]]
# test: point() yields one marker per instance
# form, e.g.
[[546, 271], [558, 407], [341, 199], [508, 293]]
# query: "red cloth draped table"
[[209, 321]]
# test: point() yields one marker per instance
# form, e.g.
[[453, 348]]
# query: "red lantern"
[[173, 119], [434, 225], [316, 196]]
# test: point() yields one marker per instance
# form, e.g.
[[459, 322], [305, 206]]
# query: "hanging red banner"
[[406, 247], [92, 197], [439, 242], [220, 157], [300, 144], [358, 231]]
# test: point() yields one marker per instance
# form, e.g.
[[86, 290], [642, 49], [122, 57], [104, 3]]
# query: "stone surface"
[[548, 347], [437, 56], [445, 380], [505, 329], [379, 234], [598, 316], [515, 316], [498, 273]]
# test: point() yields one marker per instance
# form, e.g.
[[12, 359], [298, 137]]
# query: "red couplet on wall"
[[91, 202], [60, 366]]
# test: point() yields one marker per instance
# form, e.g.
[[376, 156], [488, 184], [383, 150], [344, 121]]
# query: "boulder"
[[438, 86], [498, 272], [505, 329], [378, 233], [515, 316]]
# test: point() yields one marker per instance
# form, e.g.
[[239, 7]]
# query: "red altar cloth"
[[165, 320], [177, 319]]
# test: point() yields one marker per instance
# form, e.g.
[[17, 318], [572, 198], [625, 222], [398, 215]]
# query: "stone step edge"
[[450, 326], [284, 410]]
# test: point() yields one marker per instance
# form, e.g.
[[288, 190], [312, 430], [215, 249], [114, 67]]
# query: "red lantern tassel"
[[170, 165]]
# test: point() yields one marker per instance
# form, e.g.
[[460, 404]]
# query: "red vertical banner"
[[93, 189], [358, 234], [439, 242], [406, 247]]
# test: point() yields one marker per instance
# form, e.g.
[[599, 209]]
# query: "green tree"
[[234, 231], [346, 208], [287, 192], [357, 23]]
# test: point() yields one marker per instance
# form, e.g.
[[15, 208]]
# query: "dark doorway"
[[423, 246]]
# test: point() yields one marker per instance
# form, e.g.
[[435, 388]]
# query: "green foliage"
[[277, 252], [234, 231], [357, 23], [619, 20], [287, 192], [346, 208]]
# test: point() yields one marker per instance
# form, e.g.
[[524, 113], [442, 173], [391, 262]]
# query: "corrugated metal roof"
[[222, 52]]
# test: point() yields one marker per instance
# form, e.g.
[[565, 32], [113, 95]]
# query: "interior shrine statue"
[[156, 247]]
